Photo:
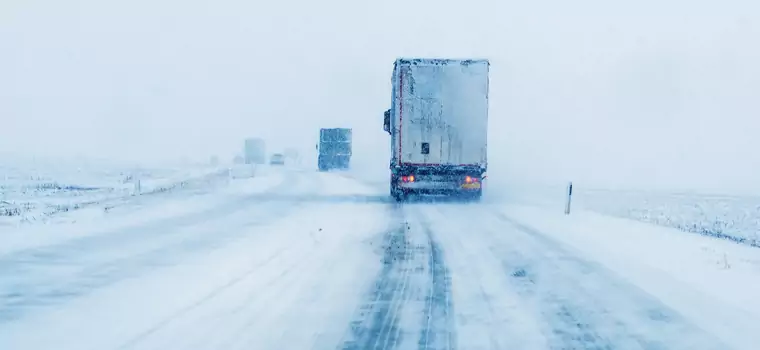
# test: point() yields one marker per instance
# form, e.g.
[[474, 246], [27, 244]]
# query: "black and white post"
[[136, 183], [569, 197]]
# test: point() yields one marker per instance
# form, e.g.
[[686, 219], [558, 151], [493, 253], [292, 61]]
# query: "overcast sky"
[[623, 93]]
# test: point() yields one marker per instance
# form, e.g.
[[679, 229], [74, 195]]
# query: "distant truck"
[[334, 148], [254, 151], [438, 123]]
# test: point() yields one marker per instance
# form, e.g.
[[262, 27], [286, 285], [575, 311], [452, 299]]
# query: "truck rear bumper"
[[456, 181], [332, 161], [469, 186], [438, 187]]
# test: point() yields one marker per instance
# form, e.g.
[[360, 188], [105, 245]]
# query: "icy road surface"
[[321, 261]]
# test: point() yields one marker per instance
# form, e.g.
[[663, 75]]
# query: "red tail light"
[[409, 178], [470, 179]]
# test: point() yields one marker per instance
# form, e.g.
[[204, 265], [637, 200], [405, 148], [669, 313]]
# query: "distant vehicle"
[[277, 159], [334, 149], [438, 123], [254, 151]]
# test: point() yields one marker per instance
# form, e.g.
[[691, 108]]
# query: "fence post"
[[569, 197], [138, 188]]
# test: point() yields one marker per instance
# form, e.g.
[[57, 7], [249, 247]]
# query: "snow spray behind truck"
[[334, 148], [438, 122]]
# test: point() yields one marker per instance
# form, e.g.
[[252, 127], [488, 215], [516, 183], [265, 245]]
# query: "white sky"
[[624, 93]]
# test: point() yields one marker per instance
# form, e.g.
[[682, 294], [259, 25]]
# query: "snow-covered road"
[[517, 288], [321, 261]]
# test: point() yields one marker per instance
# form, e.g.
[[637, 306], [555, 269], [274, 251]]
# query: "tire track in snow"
[[273, 304], [253, 307], [161, 325], [488, 316], [376, 326], [412, 261], [273, 309], [137, 339], [571, 324], [585, 305], [438, 331]]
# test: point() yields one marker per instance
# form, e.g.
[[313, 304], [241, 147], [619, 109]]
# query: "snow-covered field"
[[731, 217], [42, 192], [132, 211]]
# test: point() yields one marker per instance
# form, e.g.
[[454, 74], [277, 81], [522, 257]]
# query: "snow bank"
[[36, 194], [163, 180], [100, 219], [714, 282]]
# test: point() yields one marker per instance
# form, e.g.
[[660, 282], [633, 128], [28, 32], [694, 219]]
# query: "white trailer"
[[254, 151], [438, 122]]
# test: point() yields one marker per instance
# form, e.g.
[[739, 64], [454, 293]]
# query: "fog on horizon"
[[635, 94]]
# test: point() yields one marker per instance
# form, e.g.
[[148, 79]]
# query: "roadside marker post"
[[569, 197]]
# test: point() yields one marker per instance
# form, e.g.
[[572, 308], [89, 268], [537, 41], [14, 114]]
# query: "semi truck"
[[334, 148], [438, 126], [254, 151]]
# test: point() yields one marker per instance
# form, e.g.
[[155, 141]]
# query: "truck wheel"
[[396, 193], [393, 190]]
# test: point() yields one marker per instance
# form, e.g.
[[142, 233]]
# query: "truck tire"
[[395, 192]]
